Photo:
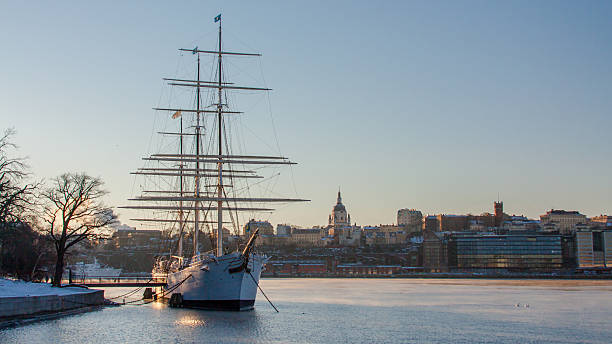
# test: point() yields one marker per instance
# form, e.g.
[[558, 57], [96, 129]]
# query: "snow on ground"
[[13, 288]]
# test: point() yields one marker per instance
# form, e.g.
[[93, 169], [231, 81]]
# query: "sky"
[[440, 106]]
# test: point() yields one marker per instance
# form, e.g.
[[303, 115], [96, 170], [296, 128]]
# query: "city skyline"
[[437, 107]]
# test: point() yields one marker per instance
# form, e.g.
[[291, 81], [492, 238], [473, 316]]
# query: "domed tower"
[[339, 217]]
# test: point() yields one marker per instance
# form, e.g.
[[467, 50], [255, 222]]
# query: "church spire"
[[339, 197]]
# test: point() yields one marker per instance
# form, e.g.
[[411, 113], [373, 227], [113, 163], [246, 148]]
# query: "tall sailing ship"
[[201, 191]]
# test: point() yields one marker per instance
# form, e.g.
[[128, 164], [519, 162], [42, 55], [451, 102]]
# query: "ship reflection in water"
[[358, 311]]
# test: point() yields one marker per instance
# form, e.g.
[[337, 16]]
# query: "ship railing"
[[204, 257]]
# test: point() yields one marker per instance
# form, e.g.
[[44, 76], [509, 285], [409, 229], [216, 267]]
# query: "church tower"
[[339, 218]]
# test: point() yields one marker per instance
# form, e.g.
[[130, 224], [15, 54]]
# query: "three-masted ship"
[[204, 194]]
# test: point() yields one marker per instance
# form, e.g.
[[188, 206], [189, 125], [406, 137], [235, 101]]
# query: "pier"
[[120, 282]]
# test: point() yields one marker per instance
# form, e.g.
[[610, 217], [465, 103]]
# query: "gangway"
[[119, 281]]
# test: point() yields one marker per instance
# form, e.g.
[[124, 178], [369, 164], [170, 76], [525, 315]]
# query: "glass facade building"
[[511, 252], [594, 249]]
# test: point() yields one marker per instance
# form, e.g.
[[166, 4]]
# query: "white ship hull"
[[82, 271], [217, 283]]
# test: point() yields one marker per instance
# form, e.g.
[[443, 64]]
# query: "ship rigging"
[[221, 280]]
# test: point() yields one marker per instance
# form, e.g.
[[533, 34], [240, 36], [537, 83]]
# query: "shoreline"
[[23, 302], [454, 276], [27, 319]]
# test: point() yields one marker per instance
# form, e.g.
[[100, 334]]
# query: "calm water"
[[358, 311]]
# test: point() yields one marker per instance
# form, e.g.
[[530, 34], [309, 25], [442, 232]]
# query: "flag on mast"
[[217, 18], [176, 115]]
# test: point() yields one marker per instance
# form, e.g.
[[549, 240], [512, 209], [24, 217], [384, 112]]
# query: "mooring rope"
[[264, 294], [132, 292], [169, 290]]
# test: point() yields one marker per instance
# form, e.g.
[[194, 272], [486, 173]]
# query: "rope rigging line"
[[164, 293], [236, 220], [264, 294], [130, 293]]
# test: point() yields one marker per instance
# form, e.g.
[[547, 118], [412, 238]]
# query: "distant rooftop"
[[306, 230], [563, 212]]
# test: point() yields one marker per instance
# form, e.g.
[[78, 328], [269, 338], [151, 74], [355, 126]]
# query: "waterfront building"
[[384, 235], [369, 238], [548, 227], [563, 221], [517, 252], [379, 238], [398, 238], [327, 239], [499, 213], [435, 251], [273, 240], [603, 220], [265, 228], [374, 238], [475, 225], [283, 229], [295, 268], [431, 223], [453, 223], [521, 223], [306, 237], [365, 270], [389, 228], [368, 235], [324, 230], [311, 269], [265, 240], [486, 219], [410, 219], [350, 236], [593, 248], [568, 251]]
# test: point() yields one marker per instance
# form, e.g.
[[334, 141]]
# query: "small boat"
[[82, 271]]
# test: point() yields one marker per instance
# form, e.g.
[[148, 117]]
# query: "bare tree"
[[15, 196], [17, 240], [73, 212]]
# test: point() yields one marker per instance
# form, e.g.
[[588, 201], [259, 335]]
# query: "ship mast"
[[194, 165], [220, 163], [196, 214], [180, 243]]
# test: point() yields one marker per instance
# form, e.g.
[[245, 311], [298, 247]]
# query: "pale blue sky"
[[437, 106]]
